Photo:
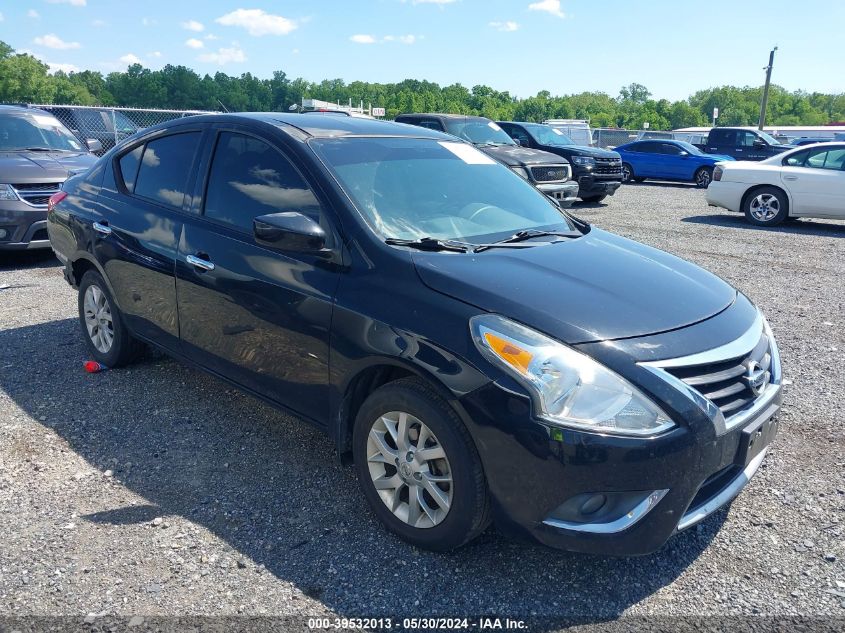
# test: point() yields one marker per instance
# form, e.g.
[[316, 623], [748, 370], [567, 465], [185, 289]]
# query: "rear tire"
[[765, 206], [627, 173], [594, 198], [437, 500], [106, 336], [703, 177]]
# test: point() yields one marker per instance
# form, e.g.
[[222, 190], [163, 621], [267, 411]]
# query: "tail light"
[[55, 199], [717, 173]]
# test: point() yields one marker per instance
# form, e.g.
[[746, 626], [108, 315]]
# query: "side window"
[[816, 159], [668, 148], [165, 166], [835, 159], [746, 139], [518, 134], [795, 160], [129, 167], [647, 148], [249, 178], [722, 137]]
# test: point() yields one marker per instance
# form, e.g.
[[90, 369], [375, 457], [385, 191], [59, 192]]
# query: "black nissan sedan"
[[481, 355]]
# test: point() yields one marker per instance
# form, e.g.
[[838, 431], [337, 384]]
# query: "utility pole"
[[765, 101]]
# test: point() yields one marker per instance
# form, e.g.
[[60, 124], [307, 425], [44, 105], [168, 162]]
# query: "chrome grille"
[[727, 383], [551, 173], [36, 194]]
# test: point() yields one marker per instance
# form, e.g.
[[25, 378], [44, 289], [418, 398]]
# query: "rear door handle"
[[790, 177], [102, 227], [199, 262]]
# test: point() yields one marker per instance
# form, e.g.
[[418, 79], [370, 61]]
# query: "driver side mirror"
[[94, 145], [290, 231]]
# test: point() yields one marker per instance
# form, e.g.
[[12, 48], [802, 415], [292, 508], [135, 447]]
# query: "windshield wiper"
[[34, 149], [430, 244], [521, 236]]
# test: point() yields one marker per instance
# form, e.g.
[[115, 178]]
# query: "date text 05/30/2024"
[[480, 624]]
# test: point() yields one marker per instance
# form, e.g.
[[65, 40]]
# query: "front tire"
[[703, 177], [418, 466], [106, 336], [766, 206], [627, 173]]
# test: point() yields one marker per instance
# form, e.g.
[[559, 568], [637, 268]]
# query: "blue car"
[[667, 160]]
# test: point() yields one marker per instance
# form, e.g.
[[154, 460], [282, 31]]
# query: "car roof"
[[317, 126], [14, 109], [446, 115]]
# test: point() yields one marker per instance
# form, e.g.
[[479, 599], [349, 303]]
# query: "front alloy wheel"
[[409, 469], [418, 466], [703, 177], [627, 173]]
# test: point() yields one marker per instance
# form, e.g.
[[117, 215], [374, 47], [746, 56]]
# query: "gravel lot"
[[158, 490]]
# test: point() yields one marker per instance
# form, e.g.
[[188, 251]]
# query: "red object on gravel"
[[93, 367]]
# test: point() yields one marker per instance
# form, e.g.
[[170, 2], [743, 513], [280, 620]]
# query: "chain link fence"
[[109, 126]]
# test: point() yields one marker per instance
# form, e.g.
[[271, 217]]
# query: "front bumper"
[[566, 193], [25, 227], [590, 185], [656, 487]]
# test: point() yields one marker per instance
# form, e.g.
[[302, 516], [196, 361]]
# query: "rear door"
[[138, 225], [815, 180], [724, 142], [672, 164], [256, 316], [643, 159]]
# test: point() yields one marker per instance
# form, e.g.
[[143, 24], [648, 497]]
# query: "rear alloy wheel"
[[766, 206], [107, 338], [418, 466], [703, 177], [627, 173]]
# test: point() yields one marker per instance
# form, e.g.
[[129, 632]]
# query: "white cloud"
[[1, 17], [52, 40], [75, 3], [65, 68], [99, 23], [193, 25], [361, 38], [211, 36], [194, 43], [507, 27], [405, 39], [224, 56], [130, 59], [258, 22], [295, 51], [155, 54], [148, 22], [549, 6], [32, 13]]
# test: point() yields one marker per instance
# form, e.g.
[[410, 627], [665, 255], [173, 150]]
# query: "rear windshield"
[[413, 188], [479, 132]]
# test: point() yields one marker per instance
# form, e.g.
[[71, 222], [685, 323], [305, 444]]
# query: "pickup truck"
[[742, 143], [548, 172]]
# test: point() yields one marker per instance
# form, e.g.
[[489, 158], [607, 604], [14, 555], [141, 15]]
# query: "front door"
[[815, 180], [251, 314]]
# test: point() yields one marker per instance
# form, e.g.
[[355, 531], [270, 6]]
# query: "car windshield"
[[771, 140], [479, 132], [547, 135], [689, 148], [34, 131], [414, 188]]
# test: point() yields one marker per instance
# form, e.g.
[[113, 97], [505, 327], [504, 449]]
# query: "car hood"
[[583, 150], [21, 167], [518, 156], [595, 288]]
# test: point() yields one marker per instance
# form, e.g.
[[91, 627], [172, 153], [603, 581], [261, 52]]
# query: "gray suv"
[[37, 153]]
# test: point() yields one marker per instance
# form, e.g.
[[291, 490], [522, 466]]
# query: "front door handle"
[[102, 227], [790, 177], [199, 262]]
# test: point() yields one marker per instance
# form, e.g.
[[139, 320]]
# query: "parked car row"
[[479, 354]]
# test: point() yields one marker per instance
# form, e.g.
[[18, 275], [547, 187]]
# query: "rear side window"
[[645, 148], [129, 167], [249, 178], [722, 137], [165, 166]]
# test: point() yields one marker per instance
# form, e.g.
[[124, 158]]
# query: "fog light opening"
[[593, 504], [3, 234]]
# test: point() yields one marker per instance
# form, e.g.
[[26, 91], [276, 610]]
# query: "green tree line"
[[25, 79]]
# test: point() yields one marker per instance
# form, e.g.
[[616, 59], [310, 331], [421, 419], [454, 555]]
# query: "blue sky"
[[674, 47]]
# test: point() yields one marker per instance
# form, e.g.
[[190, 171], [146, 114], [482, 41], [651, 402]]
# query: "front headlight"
[[7, 193], [521, 171], [584, 161], [568, 388]]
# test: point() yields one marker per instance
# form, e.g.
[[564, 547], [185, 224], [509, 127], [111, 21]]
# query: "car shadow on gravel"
[[41, 258], [800, 227], [271, 488]]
